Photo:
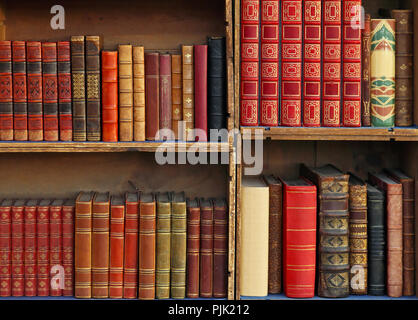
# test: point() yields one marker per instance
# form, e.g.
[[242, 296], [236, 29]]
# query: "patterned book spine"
[[5, 249], [56, 244], [152, 95], [220, 248], [176, 93], [6, 91], [68, 214], [20, 94], [126, 102], [331, 66], [269, 90], [250, 59], [163, 254], [188, 93], [291, 61], [312, 64], [382, 97], [365, 82], [93, 88], [43, 249], [206, 249], [30, 249], [18, 249], [117, 225], [201, 92], [139, 93], [110, 96], [165, 92], [34, 78], [193, 248], [78, 75], [64, 91]]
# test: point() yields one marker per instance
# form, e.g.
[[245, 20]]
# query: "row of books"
[[73, 90], [322, 63], [328, 233]]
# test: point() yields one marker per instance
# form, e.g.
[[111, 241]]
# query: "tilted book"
[[55, 244], [152, 95], [6, 248], [139, 92], [206, 248], [64, 91], [220, 248], [201, 92], [93, 88], [34, 78], [42, 247], [110, 96], [188, 93], [193, 248], [6, 91], [163, 254], [68, 215], [165, 92], [20, 93], [176, 95], [30, 257], [365, 81], [126, 102], [18, 249]]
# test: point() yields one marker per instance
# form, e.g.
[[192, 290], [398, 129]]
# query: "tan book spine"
[[188, 93], [139, 93], [162, 283], [125, 93], [176, 95]]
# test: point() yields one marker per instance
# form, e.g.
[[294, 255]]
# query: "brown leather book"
[[55, 245], [68, 214], [34, 78], [30, 249], [6, 89], [152, 95], [188, 93], [100, 246], [42, 248], [393, 191], [82, 246], [110, 96], [20, 95], [126, 101], [93, 87], [162, 281], [193, 248], [176, 95], [165, 94], [220, 248], [139, 93], [206, 248], [365, 81]]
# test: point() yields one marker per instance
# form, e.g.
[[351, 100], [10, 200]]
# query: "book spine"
[[165, 92], [139, 93], [55, 230], [64, 91], [163, 254], [365, 57], [206, 252], [6, 91], [312, 63], [5, 252], [20, 94], [78, 75], [201, 92], [220, 250], [193, 248], [152, 95], [93, 88], [130, 277], [117, 239], [250, 59], [331, 65], [30, 260], [110, 96], [188, 93], [68, 212], [126, 102], [43, 250], [18, 250], [178, 250], [176, 95]]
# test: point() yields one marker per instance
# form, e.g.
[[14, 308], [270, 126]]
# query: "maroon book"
[[6, 92], [64, 91], [193, 247], [34, 78], [43, 249], [220, 248], [165, 92], [18, 249], [206, 248], [20, 96], [201, 92], [30, 248], [152, 95]]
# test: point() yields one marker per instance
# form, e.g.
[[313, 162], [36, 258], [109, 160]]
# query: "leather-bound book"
[[147, 226], [408, 226], [365, 81], [139, 92], [331, 65], [78, 78], [220, 248], [126, 102], [358, 235], [404, 101], [333, 242], [152, 95], [64, 91], [82, 245], [117, 239], [193, 248], [42, 247], [201, 92], [254, 242], [68, 215], [110, 96], [18, 249], [34, 79], [176, 95], [299, 238], [30, 257], [165, 92], [130, 265], [250, 60], [393, 192], [6, 91], [275, 234], [20, 92], [162, 280], [100, 246], [217, 91], [178, 245], [55, 244], [93, 88], [6, 248], [206, 248], [376, 241], [188, 93]]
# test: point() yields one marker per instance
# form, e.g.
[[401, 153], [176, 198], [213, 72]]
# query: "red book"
[[18, 249], [206, 248], [193, 248], [312, 64], [331, 72], [20, 94], [220, 248], [43, 251], [250, 30], [165, 92], [6, 248], [68, 214], [110, 96], [201, 92], [34, 78], [299, 238], [55, 230], [291, 84], [6, 91], [117, 223], [351, 63], [64, 91], [30, 249], [269, 92], [152, 95]]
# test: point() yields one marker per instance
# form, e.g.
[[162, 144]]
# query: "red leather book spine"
[[220, 249], [5, 251], [206, 251], [6, 91], [152, 95], [193, 248], [201, 92], [34, 78], [165, 91], [18, 249], [55, 229], [68, 214], [64, 91], [331, 67], [20, 94], [291, 82], [250, 35], [351, 63], [117, 222], [312, 64], [269, 91], [30, 250], [110, 96], [43, 251]]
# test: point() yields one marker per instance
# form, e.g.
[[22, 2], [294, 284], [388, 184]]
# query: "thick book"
[[78, 80], [93, 88], [6, 248], [152, 95], [365, 81], [126, 102], [254, 237], [188, 93], [20, 92], [176, 95], [100, 246], [34, 79], [333, 242], [165, 95], [68, 215], [299, 238], [201, 92], [6, 91], [147, 227], [55, 244], [139, 92], [18, 249], [64, 91], [193, 248], [393, 192], [163, 249], [220, 248], [250, 62], [110, 96], [42, 247], [30, 256], [82, 245], [206, 248]]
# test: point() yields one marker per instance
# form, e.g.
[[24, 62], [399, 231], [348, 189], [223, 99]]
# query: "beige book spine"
[[139, 93], [125, 93]]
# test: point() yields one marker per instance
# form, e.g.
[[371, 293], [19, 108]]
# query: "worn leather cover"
[[6, 248], [20, 94], [64, 91], [6, 91], [55, 244], [206, 248], [139, 92], [188, 93], [176, 95], [30, 256], [178, 245], [220, 248], [93, 88], [110, 96], [393, 191], [365, 82], [333, 242], [201, 92], [18, 249], [162, 281], [78, 78], [68, 215], [165, 93], [126, 102], [100, 246], [193, 248], [130, 266], [152, 95], [42, 247]]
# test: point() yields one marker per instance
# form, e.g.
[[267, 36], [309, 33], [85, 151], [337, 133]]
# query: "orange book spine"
[[110, 95], [55, 229], [68, 213]]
